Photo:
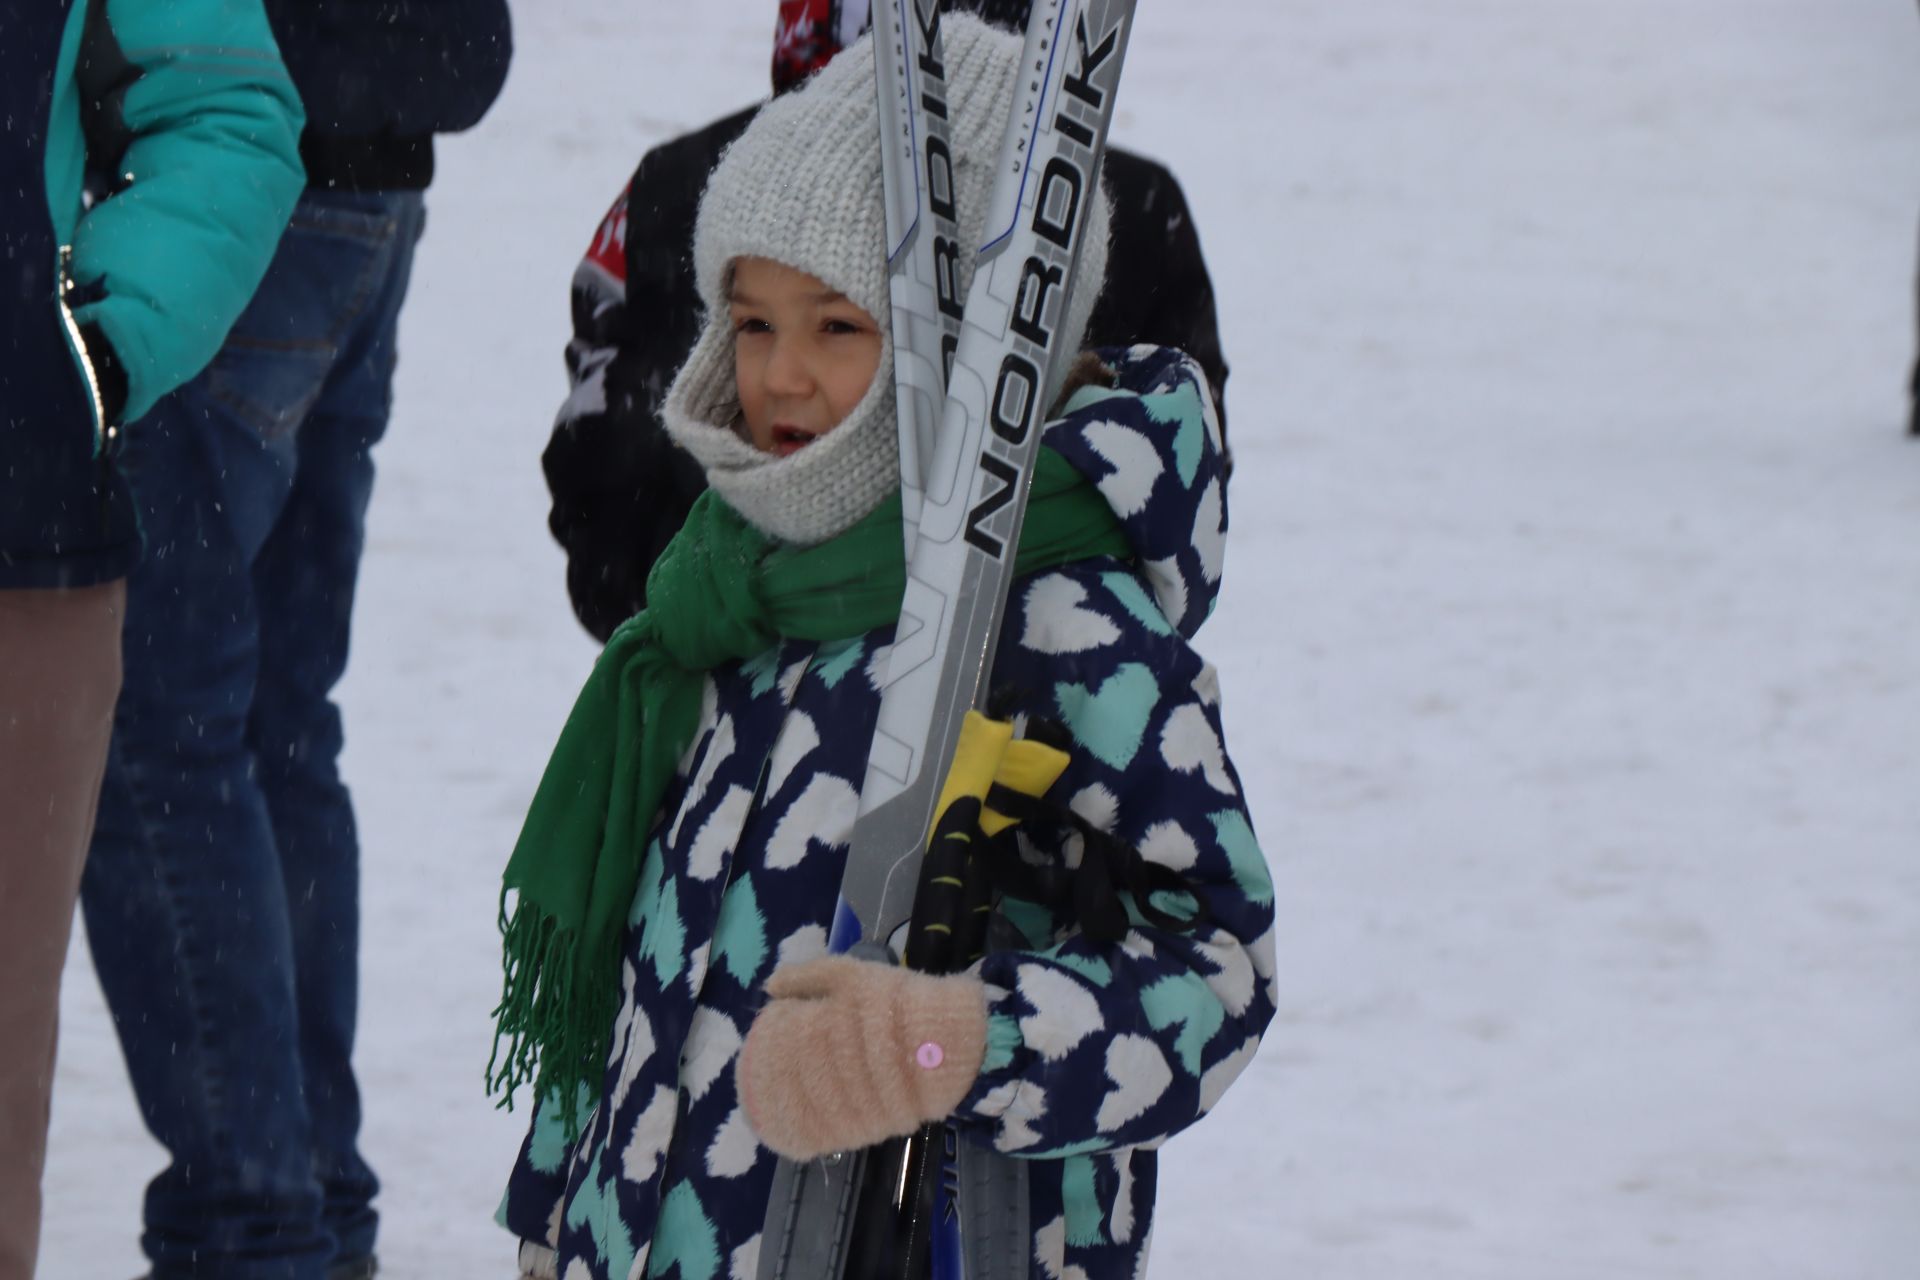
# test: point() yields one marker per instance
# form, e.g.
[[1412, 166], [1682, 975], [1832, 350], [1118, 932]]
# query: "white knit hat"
[[802, 187]]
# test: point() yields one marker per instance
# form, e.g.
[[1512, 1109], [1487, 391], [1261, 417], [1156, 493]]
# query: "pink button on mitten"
[[850, 1052]]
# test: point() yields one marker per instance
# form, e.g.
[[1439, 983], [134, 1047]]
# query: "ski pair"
[[970, 380]]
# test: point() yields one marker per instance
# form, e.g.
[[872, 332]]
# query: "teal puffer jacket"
[[202, 191]]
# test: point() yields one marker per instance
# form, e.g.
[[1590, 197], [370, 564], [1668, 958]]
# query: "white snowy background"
[[1571, 643]]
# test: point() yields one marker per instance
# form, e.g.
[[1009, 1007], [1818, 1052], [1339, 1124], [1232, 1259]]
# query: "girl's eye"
[[840, 326], [751, 324]]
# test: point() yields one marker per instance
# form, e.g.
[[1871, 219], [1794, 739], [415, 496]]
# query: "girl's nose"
[[787, 368]]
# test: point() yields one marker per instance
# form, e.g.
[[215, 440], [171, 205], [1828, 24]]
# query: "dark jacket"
[[380, 79], [621, 489], [184, 110]]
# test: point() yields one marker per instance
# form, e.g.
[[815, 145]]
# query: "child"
[[683, 855]]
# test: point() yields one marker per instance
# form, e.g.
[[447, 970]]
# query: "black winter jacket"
[[620, 487], [380, 79]]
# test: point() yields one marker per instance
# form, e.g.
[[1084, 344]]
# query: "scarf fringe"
[[552, 1022]]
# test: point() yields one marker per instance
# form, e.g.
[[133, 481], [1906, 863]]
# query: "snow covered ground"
[[1571, 644]]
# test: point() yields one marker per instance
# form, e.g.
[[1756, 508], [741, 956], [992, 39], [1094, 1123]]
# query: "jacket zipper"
[[733, 872], [106, 435]]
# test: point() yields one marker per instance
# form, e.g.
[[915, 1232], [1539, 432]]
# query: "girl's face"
[[803, 355]]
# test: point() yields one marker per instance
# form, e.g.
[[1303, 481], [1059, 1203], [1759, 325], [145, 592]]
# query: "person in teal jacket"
[[150, 164], [222, 893]]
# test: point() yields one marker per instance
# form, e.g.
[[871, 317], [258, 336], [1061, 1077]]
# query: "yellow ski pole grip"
[[988, 755], [947, 922]]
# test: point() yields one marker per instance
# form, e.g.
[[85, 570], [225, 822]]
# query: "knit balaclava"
[[802, 187]]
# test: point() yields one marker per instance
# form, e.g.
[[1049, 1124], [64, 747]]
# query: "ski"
[[923, 236], [964, 498]]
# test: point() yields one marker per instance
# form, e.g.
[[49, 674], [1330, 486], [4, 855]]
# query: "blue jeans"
[[221, 894]]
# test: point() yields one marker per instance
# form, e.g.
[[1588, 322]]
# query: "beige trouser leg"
[[59, 677]]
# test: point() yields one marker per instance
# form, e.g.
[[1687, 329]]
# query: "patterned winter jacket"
[[1097, 1053]]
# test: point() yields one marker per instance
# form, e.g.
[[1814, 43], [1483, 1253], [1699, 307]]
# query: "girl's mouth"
[[790, 440]]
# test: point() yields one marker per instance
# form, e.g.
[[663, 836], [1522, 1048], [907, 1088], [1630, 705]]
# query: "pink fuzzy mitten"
[[849, 1052]]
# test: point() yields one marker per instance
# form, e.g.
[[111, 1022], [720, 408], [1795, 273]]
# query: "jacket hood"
[[1151, 445]]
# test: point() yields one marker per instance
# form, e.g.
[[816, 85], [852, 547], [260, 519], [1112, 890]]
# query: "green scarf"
[[721, 592]]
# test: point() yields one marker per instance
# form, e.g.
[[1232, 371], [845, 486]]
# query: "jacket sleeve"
[[1094, 1046], [1097, 1045], [205, 185], [621, 488]]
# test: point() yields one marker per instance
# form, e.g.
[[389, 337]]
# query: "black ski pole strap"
[[953, 896], [996, 784], [1093, 892]]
